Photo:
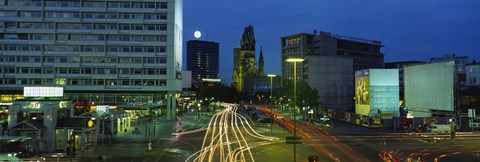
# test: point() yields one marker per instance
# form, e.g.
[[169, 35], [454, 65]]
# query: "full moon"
[[197, 34]]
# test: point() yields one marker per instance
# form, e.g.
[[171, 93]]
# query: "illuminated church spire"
[[261, 63]]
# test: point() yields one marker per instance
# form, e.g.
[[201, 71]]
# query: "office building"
[[322, 48], [124, 53], [202, 59]]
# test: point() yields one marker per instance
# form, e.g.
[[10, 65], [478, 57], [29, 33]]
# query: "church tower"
[[248, 52], [261, 64], [244, 59]]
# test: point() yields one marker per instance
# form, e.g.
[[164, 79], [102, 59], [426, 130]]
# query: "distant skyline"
[[409, 29]]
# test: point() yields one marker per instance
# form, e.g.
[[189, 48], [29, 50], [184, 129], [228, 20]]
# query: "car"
[[437, 128]]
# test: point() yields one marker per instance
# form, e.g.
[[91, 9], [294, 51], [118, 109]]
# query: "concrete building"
[[332, 77], [363, 53], [459, 60], [472, 74], [430, 89], [470, 96], [110, 52], [400, 66], [203, 59]]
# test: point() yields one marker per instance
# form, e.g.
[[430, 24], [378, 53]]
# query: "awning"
[[29, 125]]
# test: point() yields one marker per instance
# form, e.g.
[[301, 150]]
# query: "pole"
[[154, 125], [103, 129], [294, 111], [271, 108]]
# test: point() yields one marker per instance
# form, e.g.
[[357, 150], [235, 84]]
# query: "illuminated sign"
[[211, 80], [103, 108], [43, 91], [410, 116], [63, 104], [32, 105], [90, 123]]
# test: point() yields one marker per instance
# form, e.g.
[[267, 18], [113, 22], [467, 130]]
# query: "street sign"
[[291, 138], [294, 142]]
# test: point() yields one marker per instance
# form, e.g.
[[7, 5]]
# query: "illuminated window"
[[60, 81]]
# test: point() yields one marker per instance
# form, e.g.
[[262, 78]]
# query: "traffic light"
[[312, 158]]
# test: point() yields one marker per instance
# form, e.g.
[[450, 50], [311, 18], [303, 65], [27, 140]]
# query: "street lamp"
[[198, 111], [271, 108], [295, 60]]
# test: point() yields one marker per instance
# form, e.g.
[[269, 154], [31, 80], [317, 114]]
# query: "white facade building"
[[103, 51], [473, 74]]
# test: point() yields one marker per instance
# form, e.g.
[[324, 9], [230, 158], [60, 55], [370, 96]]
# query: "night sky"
[[409, 29]]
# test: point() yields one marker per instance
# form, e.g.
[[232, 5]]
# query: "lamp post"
[[295, 60], [271, 92]]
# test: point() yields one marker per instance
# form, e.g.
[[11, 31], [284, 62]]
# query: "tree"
[[219, 92], [306, 96]]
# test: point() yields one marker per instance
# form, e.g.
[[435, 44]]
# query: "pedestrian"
[[453, 134]]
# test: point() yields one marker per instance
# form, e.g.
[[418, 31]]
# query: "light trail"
[[229, 137], [316, 135]]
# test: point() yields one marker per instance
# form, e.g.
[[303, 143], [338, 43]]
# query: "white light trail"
[[229, 137]]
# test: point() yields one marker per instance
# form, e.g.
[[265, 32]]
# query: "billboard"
[[429, 87], [362, 95]]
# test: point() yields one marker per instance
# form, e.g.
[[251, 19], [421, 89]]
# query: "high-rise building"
[[202, 59], [106, 52], [319, 50]]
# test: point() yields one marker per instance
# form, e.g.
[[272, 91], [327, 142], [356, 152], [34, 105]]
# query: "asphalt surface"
[[342, 141]]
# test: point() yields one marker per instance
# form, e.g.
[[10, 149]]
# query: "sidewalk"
[[192, 120], [132, 142]]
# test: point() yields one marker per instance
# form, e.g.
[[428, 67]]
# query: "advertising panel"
[[362, 95], [429, 87]]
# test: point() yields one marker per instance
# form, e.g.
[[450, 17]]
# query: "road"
[[348, 142], [230, 137]]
